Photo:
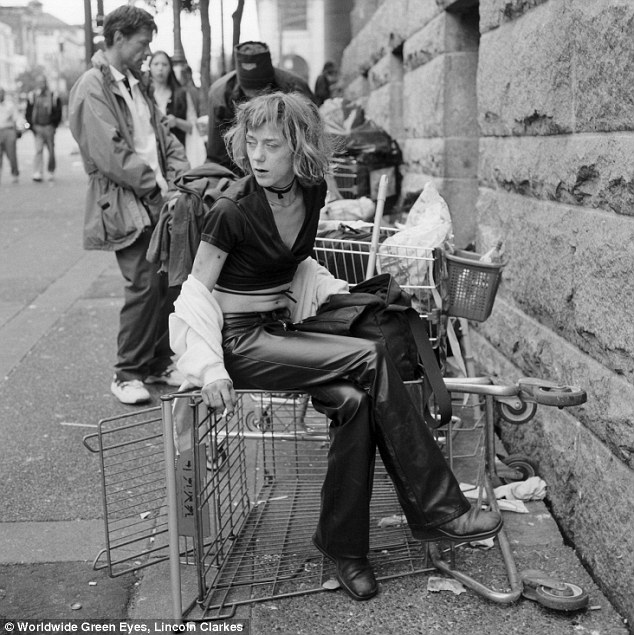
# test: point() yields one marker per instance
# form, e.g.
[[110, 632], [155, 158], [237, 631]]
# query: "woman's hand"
[[171, 121], [220, 396]]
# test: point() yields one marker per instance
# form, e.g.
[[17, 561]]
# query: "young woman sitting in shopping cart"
[[232, 329]]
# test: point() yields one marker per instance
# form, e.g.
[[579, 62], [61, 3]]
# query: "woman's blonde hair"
[[298, 120]]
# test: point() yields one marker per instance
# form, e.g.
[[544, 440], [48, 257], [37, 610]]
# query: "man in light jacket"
[[131, 161]]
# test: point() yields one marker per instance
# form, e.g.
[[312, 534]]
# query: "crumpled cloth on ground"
[[511, 495], [532, 489]]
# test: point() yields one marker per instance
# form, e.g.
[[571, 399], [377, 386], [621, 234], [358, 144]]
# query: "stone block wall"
[[526, 125], [412, 66]]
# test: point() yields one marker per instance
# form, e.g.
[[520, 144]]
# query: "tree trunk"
[[179, 53], [205, 62], [237, 23]]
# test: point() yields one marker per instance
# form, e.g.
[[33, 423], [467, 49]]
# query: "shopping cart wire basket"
[[472, 285]]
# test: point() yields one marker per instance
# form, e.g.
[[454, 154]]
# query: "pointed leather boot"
[[471, 526], [354, 574]]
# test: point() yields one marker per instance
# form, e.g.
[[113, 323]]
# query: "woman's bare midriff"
[[253, 303]]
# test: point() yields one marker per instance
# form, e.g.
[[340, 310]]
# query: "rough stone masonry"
[[521, 112]]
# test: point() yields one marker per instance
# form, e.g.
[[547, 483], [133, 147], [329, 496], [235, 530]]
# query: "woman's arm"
[[179, 116], [208, 264], [181, 124]]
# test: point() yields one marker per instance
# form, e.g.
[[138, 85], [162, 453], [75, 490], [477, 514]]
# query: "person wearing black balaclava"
[[254, 74]]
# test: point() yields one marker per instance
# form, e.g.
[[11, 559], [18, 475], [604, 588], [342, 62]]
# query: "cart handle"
[[376, 229]]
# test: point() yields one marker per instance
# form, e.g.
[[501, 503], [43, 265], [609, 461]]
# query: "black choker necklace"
[[280, 191]]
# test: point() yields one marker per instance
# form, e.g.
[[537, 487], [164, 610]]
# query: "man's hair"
[[127, 20], [301, 125]]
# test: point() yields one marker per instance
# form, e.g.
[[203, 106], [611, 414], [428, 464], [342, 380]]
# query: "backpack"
[[379, 310]]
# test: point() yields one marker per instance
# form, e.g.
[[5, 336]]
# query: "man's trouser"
[[143, 340], [8, 146], [44, 136], [356, 385]]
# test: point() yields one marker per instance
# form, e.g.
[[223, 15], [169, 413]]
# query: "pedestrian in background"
[[43, 114], [9, 126], [174, 101], [169, 95], [131, 160], [254, 74], [325, 82]]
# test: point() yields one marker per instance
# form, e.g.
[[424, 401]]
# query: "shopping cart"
[[242, 498], [245, 535]]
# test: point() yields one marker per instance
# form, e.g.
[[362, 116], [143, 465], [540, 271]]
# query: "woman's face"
[[270, 156], [160, 69]]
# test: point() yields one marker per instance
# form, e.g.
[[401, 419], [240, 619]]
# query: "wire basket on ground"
[[246, 517], [130, 448], [472, 285]]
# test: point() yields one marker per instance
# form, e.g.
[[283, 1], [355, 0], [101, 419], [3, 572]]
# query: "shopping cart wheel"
[[521, 468], [551, 394], [258, 424], [517, 415], [561, 396], [552, 593]]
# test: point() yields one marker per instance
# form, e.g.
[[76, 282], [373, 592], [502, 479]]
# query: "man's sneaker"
[[131, 391], [50, 177], [37, 177], [170, 376]]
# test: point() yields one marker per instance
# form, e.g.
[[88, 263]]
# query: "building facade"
[[304, 34], [10, 68], [46, 42], [521, 112]]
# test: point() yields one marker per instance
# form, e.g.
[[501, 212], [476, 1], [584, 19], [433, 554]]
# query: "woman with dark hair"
[[169, 95], [253, 277]]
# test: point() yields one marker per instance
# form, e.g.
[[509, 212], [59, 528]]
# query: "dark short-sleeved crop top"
[[241, 223]]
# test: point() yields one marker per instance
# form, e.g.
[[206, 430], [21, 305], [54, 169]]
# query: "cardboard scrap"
[[436, 584]]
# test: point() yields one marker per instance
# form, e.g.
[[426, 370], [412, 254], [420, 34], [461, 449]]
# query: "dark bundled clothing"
[[176, 237]]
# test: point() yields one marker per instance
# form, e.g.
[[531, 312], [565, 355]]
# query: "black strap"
[[433, 376]]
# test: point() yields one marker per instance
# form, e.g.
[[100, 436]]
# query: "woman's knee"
[[341, 401]]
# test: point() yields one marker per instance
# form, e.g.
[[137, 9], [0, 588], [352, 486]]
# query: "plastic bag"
[[428, 225], [341, 116], [431, 210]]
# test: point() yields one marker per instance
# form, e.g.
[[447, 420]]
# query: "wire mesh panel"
[[130, 449], [258, 507]]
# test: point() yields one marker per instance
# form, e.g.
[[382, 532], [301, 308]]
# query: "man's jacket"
[[43, 109], [122, 198], [224, 94]]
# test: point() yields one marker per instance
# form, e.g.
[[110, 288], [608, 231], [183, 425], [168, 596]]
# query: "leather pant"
[[355, 384]]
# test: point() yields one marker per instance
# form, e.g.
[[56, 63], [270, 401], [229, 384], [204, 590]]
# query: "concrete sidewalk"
[[58, 322]]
